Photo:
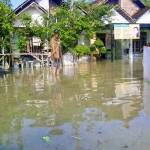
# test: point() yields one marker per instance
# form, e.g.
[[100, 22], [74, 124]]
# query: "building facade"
[[36, 9], [129, 12]]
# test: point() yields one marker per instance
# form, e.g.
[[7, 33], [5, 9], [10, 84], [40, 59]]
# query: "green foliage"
[[103, 50], [81, 50], [26, 21], [7, 18], [146, 2], [21, 43], [98, 44], [6, 2], [92, 48], [71, 23], [83, 17], [30, 29]]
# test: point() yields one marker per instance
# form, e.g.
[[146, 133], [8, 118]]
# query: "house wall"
[[35, 13], [117, 18], [144, 19], [44, 4], [146, 63]]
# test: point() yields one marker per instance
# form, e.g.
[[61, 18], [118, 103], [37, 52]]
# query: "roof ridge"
[[140, 13], [22, 4], [28, 3], [124, 14]]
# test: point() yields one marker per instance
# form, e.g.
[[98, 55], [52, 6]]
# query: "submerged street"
[[93, 106]]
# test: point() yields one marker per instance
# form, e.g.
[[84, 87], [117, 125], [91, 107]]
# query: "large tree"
[[83, 17], [146, 2], [6, 2], [6, 26], [31, 29]]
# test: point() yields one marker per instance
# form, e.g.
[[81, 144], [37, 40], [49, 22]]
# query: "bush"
[[92, 48], [103, 50], [22, 43], [98, 44], [82, 50]]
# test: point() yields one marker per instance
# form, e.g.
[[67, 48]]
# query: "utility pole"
[[112, 43], [48, 17], [3, 52]]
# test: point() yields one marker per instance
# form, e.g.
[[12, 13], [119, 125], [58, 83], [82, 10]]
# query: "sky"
[[16, 3]]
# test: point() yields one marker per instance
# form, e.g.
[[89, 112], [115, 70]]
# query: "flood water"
[[96, 106]]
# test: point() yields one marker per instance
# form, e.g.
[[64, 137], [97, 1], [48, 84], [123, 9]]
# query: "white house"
[[129, 12], [36, 9]]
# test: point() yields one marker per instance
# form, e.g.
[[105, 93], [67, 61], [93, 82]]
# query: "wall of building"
[[146, 63], [117, 18], [144, 19], [45, 4], [35, 13]]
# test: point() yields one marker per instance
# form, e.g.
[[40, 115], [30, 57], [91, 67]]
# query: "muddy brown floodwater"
[[95, 106]]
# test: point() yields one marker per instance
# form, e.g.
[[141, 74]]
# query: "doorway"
[[138, 44]]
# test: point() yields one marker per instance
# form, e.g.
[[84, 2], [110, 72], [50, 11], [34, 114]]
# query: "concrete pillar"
[[131, 57], [131, 50]]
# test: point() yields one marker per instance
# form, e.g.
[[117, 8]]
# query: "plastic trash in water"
[[46, 139], [77, 138]]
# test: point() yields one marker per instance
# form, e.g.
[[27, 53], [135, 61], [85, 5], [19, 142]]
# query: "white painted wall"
[[145, 18], [147, 98], [35, 13], [43, 3], [117, 18], [146, 63], [18, 23]]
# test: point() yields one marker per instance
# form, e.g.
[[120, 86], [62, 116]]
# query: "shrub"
[[92, 47], [81, 50], [103, 50], [98, 44], [22, 43]]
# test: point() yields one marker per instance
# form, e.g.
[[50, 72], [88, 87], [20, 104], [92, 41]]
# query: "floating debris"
[[75, 137], [37, 101], [125, 146], [99, 132], [46, 139]]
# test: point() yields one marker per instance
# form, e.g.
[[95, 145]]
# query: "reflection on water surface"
[[97, 106]]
